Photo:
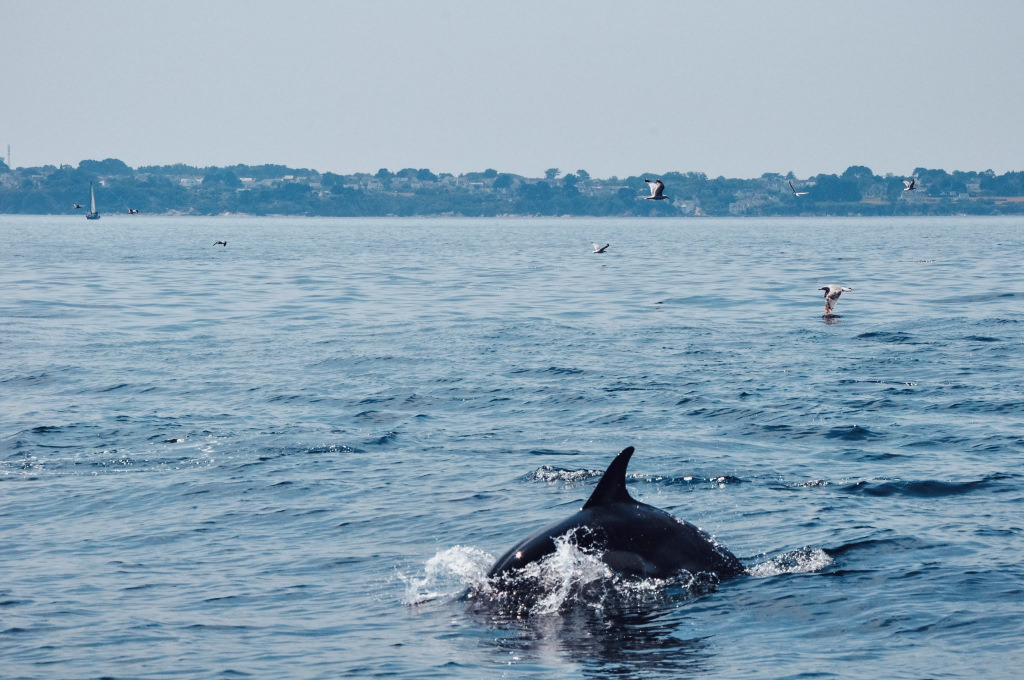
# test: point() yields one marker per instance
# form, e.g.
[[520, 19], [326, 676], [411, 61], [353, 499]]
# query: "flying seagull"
[[832, 293], [795, 192], [133, 211], [908, 184], [220, 243], [76, 206], [600, 249], [657, 190]]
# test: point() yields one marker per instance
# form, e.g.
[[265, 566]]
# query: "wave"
[[888, 336], [718, 481], [383, 440], [552, 474], [811, 484], [894, 545], [979, 297], [851, 433], [926, 488], [550, 370], [41, 451], [553, 452], [548, 473]]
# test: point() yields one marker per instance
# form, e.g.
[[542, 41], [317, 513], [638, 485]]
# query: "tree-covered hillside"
[[280, 190]]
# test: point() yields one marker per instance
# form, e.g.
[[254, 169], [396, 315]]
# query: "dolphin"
[[632, 538]]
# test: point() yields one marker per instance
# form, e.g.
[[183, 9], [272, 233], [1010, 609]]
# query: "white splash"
[[563, 574], [805, 561], [568, 577], [448, 574], [547, 473]]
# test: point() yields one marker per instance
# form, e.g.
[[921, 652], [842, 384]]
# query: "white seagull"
[[75, 206], [600, 249], [832, 293], [657, 190], [795, 192], [908, 184], [133, 211]]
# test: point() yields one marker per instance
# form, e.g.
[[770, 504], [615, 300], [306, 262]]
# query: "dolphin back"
[[634, 538]]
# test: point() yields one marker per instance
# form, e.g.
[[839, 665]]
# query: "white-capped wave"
[[803, 561]]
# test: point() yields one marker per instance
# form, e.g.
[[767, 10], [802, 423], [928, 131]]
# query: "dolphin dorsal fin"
[[612, 487]]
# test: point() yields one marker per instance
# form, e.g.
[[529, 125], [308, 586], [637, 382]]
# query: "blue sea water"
[[294, 456]]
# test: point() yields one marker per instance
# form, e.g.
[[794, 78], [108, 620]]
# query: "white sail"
[[92, 214]]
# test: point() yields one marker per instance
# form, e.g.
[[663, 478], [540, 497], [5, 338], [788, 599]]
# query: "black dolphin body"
[[633, 538]]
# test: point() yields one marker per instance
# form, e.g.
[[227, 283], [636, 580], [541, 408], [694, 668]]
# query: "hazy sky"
[[615, 88]]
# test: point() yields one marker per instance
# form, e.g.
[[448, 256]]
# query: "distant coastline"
[[277, 190]]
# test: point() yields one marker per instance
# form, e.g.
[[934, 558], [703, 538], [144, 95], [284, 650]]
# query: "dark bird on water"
[[600, 249], [832, 293], [220, 243], [657, 190]]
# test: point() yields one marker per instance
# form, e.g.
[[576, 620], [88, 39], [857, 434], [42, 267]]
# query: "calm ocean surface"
[[292, 457]]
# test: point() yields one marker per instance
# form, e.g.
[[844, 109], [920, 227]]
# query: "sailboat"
[[92, 214]]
